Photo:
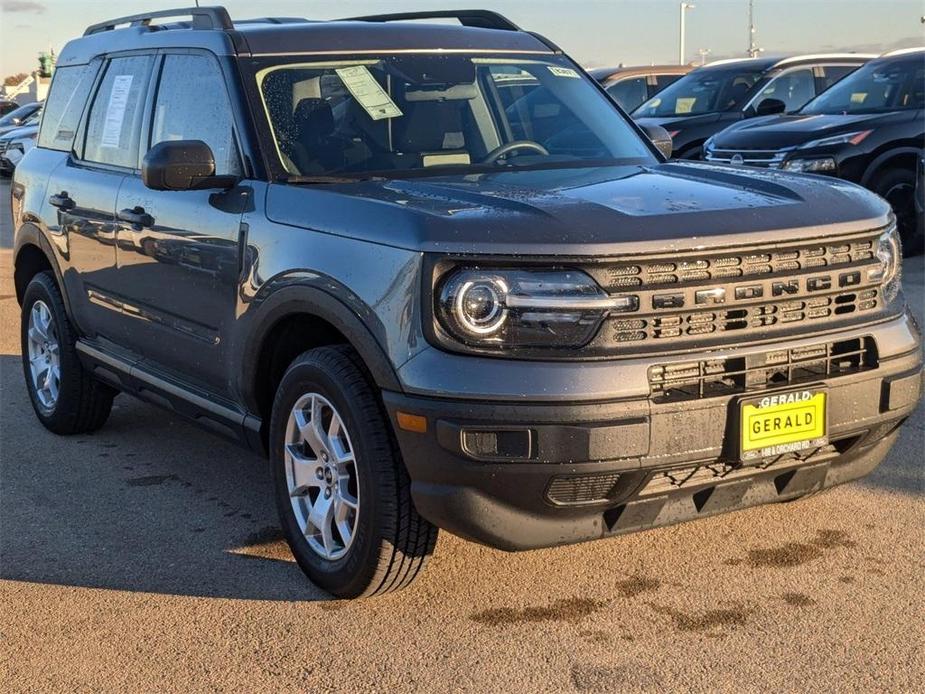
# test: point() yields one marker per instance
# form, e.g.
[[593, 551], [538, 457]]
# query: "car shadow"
[[149, 503]]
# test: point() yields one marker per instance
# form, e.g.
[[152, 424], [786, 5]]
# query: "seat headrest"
[[314, 117]]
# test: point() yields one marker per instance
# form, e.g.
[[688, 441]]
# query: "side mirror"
[[770, 107], [182, 165], [660, 138]]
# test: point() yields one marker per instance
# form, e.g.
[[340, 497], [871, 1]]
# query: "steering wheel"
[[498, 152]]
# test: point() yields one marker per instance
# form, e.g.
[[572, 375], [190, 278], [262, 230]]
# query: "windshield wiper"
[[320, 179]]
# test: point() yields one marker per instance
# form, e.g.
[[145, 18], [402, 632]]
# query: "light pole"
[[753, 49], [684, 6]]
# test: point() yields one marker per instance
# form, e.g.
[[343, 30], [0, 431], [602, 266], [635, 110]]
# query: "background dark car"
[[714, 96], [868, 129], [18, 116], [631, 86], [6, 106]]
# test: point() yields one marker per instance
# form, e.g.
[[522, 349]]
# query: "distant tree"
[[13, 80]]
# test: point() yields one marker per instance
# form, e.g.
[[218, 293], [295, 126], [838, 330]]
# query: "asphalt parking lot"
[[147, 557]]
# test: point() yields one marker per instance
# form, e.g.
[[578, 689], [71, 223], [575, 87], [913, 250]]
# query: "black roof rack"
[[481, 19], [203, 18]]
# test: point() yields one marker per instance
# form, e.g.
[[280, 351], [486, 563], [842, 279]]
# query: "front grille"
[[730, 266], [771, 158], [777, 368], [703, 323], [693, 300], [582, 489]]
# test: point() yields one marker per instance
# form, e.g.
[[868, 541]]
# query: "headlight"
[[810, 165], [854, 138], [509, 308], [889, 253]]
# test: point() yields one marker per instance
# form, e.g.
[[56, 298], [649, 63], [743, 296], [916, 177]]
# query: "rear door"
[[82, 191], [178, 268]]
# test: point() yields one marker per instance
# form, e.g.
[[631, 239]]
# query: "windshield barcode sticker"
[[368, 92], [563, 72]]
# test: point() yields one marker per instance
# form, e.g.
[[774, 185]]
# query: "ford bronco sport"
[[354, 246]]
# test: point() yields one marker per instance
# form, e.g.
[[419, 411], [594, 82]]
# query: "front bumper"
[[523, 475]]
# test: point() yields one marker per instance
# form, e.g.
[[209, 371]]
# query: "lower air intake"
[[582, 489]]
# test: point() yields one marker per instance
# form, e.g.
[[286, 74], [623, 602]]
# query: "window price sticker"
[[368, 92]]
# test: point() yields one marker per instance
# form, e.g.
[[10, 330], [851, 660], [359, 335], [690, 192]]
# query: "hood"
[[598, 211], [18, 131], [778, 132], [680, 123]]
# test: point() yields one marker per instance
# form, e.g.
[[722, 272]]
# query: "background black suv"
[[712, 97], [869, 129]]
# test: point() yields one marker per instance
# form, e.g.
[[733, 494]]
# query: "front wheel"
[[897, 187], [342, 491]]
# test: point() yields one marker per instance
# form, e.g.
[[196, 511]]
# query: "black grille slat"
[[582, 489], [726, 266], [729, 376]]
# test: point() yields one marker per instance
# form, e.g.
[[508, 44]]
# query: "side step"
[[207, 410]]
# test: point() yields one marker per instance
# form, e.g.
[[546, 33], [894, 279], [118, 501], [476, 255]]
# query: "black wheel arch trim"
[[876, 166], [307, 300], [31, 235]]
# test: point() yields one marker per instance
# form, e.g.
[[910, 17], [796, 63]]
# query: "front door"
[[177, 251]]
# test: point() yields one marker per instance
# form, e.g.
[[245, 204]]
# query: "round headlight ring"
[[479, 306]]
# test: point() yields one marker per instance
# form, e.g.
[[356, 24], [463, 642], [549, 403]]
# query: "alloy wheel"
[[44, 354], [321, 475]]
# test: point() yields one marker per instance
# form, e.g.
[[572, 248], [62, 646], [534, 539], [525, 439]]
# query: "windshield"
[[873, 88], [21, 113], [429, 114], [702, 91]]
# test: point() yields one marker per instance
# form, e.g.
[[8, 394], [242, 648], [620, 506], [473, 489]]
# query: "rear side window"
[[192, 104], [70, 89], [115, 117]]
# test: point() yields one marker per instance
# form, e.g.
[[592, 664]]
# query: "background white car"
[[14, 145]]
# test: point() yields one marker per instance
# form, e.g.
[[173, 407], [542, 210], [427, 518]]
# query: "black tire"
[[897, 187], [83, 403], [391, 542]]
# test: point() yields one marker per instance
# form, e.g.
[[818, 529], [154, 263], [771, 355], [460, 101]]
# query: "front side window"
[[793, 88], [702, 91], [192, 104], [425, 114], [115, 116], [629, 93], [875, 87], [70, 90], [834, 73]]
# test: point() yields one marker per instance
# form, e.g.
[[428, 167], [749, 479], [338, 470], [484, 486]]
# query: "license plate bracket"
[[784, 422]]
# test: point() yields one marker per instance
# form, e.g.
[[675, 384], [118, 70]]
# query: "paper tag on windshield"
[[563, 72], [368, 92], [115, 111]]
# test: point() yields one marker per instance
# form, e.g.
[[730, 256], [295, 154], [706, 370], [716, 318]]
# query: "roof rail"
[[203, 18], [902, 51], [481, 19]]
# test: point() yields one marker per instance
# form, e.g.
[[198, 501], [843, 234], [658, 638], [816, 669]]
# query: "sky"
[[593, 32]]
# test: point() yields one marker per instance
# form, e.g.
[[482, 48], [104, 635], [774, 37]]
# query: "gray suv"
[[359, 248]]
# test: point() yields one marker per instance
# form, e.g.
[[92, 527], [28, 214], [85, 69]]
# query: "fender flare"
[[30, 235], [312, 301], [874, 167]]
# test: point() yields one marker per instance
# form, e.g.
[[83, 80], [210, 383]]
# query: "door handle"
[[62, 201], [136, 217]]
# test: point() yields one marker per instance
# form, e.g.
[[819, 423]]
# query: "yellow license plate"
[[783, 423]]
